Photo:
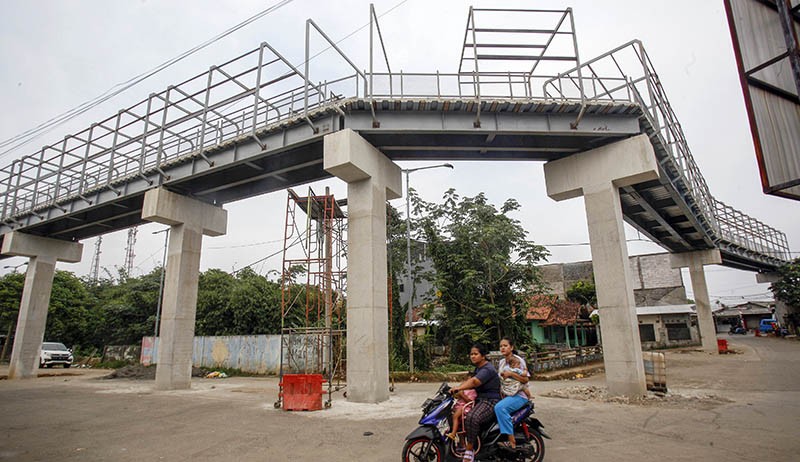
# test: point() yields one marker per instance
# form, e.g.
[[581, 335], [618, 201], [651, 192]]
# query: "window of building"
[[678, 331], [647, 333]]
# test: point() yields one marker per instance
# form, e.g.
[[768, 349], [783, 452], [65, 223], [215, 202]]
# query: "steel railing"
[[261, 90], [627, 74]]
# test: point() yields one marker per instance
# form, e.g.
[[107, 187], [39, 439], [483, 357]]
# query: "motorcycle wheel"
[[537, 442], [414, 451]]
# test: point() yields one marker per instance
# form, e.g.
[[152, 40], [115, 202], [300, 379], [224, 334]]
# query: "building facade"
[[655, 282]]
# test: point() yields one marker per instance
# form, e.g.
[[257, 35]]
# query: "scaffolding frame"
[[312, 309]]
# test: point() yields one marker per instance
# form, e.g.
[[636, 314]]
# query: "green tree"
[[583, 292], [69, 316], [214, 312], [10, 294], [787, 289], [485, 268], [128, 308], [255, 304], [396, 237]]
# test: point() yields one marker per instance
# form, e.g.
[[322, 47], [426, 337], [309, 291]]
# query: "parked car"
[[767, 326], [53, 354]]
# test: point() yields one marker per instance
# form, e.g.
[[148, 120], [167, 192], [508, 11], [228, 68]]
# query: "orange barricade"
[[302, 392]]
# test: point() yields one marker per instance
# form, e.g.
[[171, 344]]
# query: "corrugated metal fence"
[[259, 354]]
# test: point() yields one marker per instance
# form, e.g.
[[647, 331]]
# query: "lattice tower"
[[129, 250], [93, 273]]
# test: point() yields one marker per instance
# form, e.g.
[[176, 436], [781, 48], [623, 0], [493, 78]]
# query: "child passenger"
[[511, 386], [463, 398]]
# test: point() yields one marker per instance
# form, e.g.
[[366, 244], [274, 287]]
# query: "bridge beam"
[[43, 254], [189, 220], [598, 175], [695, 261], [371, 179]]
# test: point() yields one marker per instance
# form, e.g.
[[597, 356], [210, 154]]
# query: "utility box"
[[302, 392], [655, 371]]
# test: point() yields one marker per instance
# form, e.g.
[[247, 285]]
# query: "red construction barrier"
[[722, 345], [302, 392]]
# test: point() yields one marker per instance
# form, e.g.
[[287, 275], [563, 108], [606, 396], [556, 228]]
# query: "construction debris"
[[674, 400]]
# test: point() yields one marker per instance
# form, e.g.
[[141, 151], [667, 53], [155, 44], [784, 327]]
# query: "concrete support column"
[[189, 220], [32, 319], [371, 179], [695, 262], [597, 175]]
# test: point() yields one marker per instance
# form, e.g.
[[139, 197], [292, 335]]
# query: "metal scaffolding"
[[312, 289]]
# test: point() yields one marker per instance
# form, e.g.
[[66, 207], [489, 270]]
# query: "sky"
[[55, 56]]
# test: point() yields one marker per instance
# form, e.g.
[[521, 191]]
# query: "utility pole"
[[409, 274]]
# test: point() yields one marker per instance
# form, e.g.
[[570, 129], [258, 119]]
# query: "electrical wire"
[[26, 137], [29, 135], [587, 243], [254, 244], [296, 241]]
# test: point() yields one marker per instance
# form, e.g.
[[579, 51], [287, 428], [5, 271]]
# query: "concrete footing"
[[189, 220], [597, 175], [371, 179], [695, 262], [43, 253]]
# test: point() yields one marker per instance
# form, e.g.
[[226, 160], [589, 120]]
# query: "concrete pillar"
[[695, 262], [597, 175], [43, 253], [371, 179], [189, 220]]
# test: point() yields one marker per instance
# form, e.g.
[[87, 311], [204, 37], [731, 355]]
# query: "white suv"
[[54, 353]]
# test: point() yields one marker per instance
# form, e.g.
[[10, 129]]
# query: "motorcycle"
[[738, 330], [428, 443]]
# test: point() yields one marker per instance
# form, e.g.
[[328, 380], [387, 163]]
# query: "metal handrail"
[[640, 83], [261, 90]]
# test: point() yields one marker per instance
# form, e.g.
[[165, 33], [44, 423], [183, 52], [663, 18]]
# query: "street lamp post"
[[163, 271], [14, 267], [409, 275]]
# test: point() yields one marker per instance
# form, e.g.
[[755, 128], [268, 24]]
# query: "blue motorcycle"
[[428, 443]]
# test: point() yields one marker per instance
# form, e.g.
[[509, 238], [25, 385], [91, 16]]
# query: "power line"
[[296, 241], [254, 244], [45, 127], [587, 243]]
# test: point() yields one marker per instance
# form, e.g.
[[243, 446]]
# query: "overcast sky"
[[55, 55]]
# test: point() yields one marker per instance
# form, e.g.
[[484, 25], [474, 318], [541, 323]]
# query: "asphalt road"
[[737, 407]]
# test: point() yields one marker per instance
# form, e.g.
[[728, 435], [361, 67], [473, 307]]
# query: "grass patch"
[[113, 364], [428, 376]]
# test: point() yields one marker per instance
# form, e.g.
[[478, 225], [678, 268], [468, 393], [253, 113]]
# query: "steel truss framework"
[[255, 123]]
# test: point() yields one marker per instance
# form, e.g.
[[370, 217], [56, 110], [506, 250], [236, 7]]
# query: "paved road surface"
[[81, 418]]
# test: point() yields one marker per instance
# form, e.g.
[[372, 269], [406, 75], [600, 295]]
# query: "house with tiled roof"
[[557, 321]]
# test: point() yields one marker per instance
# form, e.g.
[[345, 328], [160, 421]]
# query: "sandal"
[[468, 456], [507, 445]]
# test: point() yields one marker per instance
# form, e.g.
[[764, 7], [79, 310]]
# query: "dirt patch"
[[139, 372], [673, 400]]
